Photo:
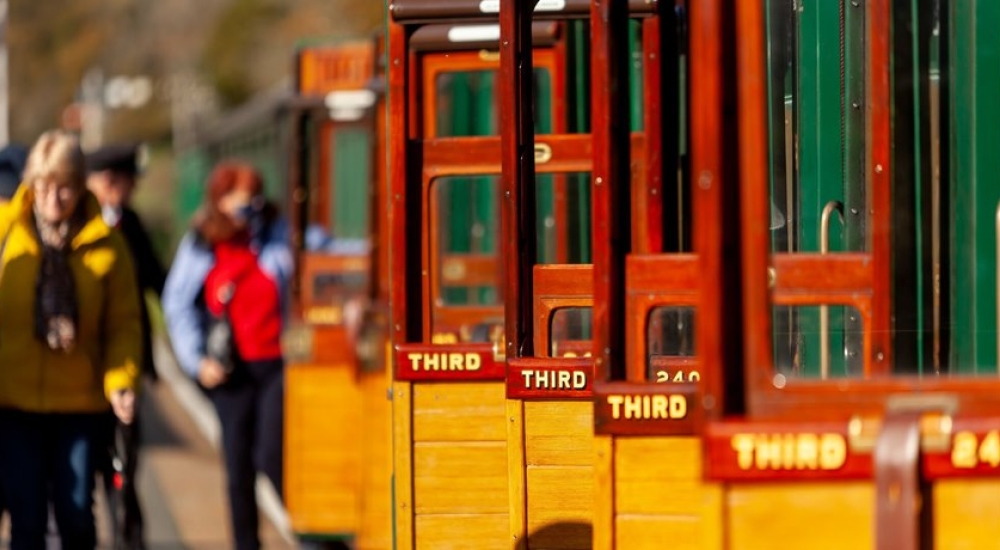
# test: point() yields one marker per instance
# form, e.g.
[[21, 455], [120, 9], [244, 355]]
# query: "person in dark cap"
[[12, 159], [112, 173]]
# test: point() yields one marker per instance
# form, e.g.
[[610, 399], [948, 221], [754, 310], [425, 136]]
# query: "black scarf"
[[56, 313]]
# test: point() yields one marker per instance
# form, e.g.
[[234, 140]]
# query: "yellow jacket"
[[109, 334]]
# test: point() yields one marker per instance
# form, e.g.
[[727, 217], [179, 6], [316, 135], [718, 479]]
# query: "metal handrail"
[[824, 311]]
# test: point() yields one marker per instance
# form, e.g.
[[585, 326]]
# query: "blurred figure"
[[224, 301], [12, 159], [70, 343], [112, 172]]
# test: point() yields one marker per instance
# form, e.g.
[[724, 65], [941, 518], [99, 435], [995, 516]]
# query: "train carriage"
[[336, 480], [447, 283], [549, 300], [831, 207]]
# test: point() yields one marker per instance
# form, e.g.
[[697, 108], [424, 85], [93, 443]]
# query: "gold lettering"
[[455, 361], [579, 380], [616, 402], [431, 361], [414, 360], [633, 406], [473, 361], [989, 450], [788, 451], [660, 406], [807, 452], [526, 374], [768, 452], [564, 380], [832, 451], [743, 444], [678, 406]]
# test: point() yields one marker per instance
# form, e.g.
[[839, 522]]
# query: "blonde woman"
[[70, 343]]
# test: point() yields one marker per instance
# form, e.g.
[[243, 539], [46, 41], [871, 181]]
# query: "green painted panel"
[[820, 178], [975, 186], [192, 168], [351, 178]]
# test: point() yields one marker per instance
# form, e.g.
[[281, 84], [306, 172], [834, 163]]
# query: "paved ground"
[[181, 484]]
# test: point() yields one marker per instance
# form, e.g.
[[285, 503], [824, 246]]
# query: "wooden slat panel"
[[516, 481], [560, 507], [965, 514], [676, 458], [330, 513], [459, 412], [658, 532], [559, 432], [402, 464], [322, 483], [604, 491], [658, 496], [375, 531], [462, 532], [460, 478], [815, 515]]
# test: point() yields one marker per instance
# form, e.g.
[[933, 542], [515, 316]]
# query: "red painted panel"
[[447, 363], [782, 451], [974, 451], [636, 408], [550, 379]]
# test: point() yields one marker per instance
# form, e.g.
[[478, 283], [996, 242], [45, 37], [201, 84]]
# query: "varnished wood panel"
[[604, 491], [375, 532], [402, 463], [560, 507], [658, 532], [516, 479], [670, 458], [965, 514], [459, 412], [816, 516], [460, 477], [559, 433], [322, 483], [660, 476], [462, 532]]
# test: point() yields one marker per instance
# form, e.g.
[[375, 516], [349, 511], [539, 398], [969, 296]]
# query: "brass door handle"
[[824, 311]]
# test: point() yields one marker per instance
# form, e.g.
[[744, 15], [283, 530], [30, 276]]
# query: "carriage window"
[[330, 288], [818, 341], [350, 180], [465, 218], [570, 332], [562, 203], [670, 344], [816, 114], [467, 103]]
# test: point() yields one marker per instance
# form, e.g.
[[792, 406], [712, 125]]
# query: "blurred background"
[[157, 72]]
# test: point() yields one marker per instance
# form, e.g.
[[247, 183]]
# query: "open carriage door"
[[447, 291], [866, 447]]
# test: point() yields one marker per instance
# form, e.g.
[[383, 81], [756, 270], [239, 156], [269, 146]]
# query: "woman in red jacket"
[[235, 264]]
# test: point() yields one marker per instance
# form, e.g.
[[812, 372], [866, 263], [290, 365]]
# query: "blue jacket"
[[186, 316]]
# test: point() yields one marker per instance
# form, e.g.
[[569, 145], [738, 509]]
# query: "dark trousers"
[[250, 405], [121, 443], [43, 453]]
